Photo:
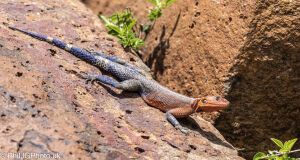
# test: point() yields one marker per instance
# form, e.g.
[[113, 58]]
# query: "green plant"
[[282, 154], [121, 26], [159, 6]]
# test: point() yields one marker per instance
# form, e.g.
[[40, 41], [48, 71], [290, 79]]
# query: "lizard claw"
[[182, 129], [90, 78], [185, 130]]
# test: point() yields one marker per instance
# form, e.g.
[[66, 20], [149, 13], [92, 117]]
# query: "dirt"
[[247, 51]]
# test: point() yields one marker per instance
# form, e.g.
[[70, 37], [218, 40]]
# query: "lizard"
[[131, 78]]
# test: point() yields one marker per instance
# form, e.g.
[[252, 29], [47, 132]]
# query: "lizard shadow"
[[122, 95], [159, 53], [193, 125]]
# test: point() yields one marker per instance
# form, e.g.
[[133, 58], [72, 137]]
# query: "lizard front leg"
[[179, 112]]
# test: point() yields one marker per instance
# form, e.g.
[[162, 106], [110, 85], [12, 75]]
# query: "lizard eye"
[[217, 98], [204, 101]]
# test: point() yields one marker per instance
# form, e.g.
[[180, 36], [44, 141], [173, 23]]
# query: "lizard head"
[[210, 104]]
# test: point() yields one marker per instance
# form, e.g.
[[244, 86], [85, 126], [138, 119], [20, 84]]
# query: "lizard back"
[[161, 97]]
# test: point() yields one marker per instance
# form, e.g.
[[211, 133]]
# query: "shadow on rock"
[[264, 89], [159, 53]]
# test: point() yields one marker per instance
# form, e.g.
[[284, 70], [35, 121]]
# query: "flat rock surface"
[[47, 107]]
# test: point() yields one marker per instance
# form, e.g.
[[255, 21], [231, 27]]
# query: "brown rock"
[[250, 49], [46, 107], [265, 86]]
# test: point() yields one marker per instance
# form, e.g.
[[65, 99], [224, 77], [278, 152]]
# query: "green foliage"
[[145, 28], [258, 155], [282, 154], [278, 142], [159, 6], [121, 26]]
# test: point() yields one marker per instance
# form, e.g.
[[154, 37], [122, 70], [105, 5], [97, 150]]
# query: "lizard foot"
[[185, 130], [182, 129], [91, 78]]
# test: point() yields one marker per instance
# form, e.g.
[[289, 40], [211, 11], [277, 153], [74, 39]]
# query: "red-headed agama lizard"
[[132, 79]]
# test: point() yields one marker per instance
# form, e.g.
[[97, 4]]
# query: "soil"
[[247, 51]]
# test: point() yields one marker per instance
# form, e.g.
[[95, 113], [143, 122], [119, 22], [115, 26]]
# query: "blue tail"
[[84, 55]]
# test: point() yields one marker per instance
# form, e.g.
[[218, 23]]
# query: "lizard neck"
[[194, 105]]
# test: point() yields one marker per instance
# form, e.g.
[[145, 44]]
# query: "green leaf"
[[151, 15], [157, 3], [159, 14], [283, 150], [288, 145], [114, 28], [105, 19], [146, 28], [114, 33], [114, 19], [258, 156], [278, 142], [279, 158], [137, 42], [130, 26], [163, 4], [285, 156], [152, 1], [169, 2]]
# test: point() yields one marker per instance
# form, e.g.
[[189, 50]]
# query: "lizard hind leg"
[[127, 85], [115, 59], [122, 62]]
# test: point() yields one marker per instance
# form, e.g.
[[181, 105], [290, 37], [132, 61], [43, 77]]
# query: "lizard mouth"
[[214, 106], [222, 104]]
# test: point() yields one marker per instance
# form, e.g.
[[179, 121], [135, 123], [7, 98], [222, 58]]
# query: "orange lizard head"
[[210, 104]]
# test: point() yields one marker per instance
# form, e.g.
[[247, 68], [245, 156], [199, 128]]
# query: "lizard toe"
[[90, 78], [183, 130]]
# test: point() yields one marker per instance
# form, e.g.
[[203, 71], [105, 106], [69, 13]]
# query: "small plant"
[[282, 154], [155, 13], [121, 26], [159, 6]]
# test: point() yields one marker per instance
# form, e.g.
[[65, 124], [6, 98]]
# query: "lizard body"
[[132, 79]]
